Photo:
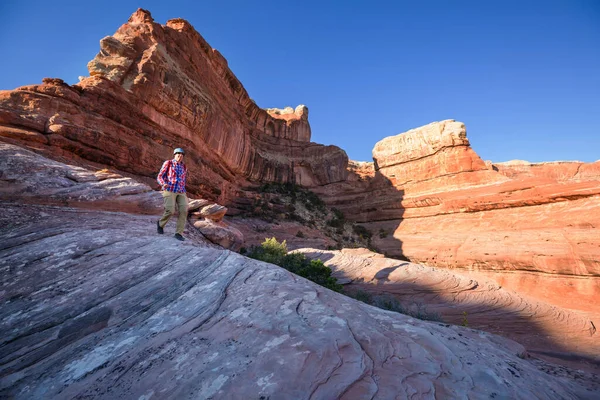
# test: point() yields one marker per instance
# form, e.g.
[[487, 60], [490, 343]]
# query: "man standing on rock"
[[171, 179]]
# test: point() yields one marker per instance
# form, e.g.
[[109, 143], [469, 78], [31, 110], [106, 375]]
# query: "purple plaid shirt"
[[172, 176]]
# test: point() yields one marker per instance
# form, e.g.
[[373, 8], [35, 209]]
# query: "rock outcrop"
[[95, 304], [208, 219], [30, 178], [428, 194], [429, 198], [554, 333], [155, 87]]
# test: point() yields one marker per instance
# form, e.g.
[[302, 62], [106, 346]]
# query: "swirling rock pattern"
[[94, 303], [546, 330]]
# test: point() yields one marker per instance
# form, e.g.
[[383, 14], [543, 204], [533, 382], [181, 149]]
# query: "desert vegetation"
[[276, 202], [275, 252]]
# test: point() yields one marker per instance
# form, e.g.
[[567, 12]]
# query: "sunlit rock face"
[[433, 156], [427, 195], [155, 87], [430, 198]]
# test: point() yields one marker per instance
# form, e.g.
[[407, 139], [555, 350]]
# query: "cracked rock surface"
[[95, 304]]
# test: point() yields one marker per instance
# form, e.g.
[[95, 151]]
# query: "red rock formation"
[[96, 304], [155, 87], [428, 196], [431, 199], [552, 332]]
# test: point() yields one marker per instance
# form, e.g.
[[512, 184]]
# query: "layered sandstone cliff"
[[429, 197], [154, 87]]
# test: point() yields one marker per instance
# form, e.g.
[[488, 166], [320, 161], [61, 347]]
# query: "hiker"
[[171, 179]]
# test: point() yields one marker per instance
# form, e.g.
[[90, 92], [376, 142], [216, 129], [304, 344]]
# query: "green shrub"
[[293, 262], [465, 321], [336, 223], [362, 231], [317, 272], [311, 201], [388, 303], [363, 296], [300, 234], [382, 233], [338, 214], [280, 188], [270, 251], [273, 252]]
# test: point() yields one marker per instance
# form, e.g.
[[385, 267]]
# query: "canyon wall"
[[427, 196], [155, 87]]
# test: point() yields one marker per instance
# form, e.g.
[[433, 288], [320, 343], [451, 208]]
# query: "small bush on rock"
[[273, 252]]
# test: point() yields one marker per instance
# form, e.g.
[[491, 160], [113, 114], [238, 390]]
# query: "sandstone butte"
[[93, 303]]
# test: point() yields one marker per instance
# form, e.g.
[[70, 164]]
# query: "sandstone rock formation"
[[34, 179], [556, 334], [155, 87], [428, 194], [113, 314], [208, 219], [95, 304], [430, 198]]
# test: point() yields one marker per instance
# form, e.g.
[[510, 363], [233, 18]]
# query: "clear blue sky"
[[524, 76]]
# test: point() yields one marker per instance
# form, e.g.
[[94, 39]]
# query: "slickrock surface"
[[30, 178], [551, 332], [96, 305], [34, 179], [155, 87]]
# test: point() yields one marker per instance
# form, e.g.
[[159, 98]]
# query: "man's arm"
[[162, 175]]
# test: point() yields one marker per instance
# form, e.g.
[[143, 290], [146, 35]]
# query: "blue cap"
[[178, 150]]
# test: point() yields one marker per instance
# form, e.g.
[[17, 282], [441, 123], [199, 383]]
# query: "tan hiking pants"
[[169, 199]]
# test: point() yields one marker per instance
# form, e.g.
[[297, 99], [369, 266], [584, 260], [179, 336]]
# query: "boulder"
[[220, 233], [196, 204], [214, 212]]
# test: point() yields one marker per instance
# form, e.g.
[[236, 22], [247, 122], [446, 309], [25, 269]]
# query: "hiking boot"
[[159, 228], [179, 237]]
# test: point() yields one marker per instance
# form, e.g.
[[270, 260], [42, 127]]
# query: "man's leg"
[[182, 205], [169, 203]]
